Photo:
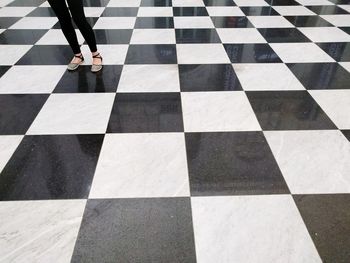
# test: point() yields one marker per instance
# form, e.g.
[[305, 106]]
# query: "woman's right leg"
[[61, 10]]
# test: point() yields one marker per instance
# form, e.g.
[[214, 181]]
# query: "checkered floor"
[[218, 131]]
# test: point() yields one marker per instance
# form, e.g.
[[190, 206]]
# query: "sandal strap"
[[81, 57], [98, 55]]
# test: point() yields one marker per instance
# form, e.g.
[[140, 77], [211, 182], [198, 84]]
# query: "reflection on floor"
[[218, 131]]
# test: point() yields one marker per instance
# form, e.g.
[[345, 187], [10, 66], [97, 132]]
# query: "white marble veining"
[[269, 21], [141, 165], [240, 35], [56, 37], [325, 34], [201, 54], [314, 2], [34, 79], [300, 52], [224, 11], [124, 3], [115, 23], [39, 231], [345, 65], [218, 111], [149, 78], [155, 11], [10, 54], [193, 22], [35, 23], [15, 11], [338, 20], [251, 3], [266, 76], [189, 3], [153, 36], [250, 229], [74, 114], [112, 54], [8, 145], [336, 104], [296, 10], [312, 161]]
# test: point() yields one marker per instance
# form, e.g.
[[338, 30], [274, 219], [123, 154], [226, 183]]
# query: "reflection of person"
[[76, 9]]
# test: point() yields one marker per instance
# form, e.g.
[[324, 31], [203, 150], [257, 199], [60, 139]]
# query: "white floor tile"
[[201, 54], [56, 37], [251, 3], [240, 35], [14, 11], [189, 3], [112, 54], [296, 10], [153, 36], [124, 3], [155, 11], [338, 20], [224, 11], [10, 54], [8, 145], [269, 21], [35, 23], [115, 23], [193, 22], [325, 34]]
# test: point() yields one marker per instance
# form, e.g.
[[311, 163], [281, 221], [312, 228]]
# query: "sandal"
[[74, 66], [96, 68]]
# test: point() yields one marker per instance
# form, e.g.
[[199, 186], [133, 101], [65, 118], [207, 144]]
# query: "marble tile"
[[218, 2], [232, 163], [240, 35], [231, 22], [327, 10], [35, 23], [8, 145], [346, 133], [161, 231], [282, 2], [340, 51], [283, 35], [150, 78], [250, 229], [56, 37], [180, 3], [119, 12], [32, 79], [74, 114], [115, 23], [42, 12], [39, 231], [159, 169], [325, 34], [336, 104], [155, 11], [112, 54], [312, 161], [113, 36], [154, 22], [251, 3], [201, 54], [193, 22], [259, 11], [345, 65], [20, 36], [6, 22], [308, 21], [269, 21], [153, 36], [93, 11], [5, 2], [300, 52], [196, 35], [124, 3], [314, 2], [345, 7], [156, 3], [15, 11], [270, 76], [190, 11], [151, 54], [293, 10], [338, 20], [10, 54], [218, 111], [224, 11]]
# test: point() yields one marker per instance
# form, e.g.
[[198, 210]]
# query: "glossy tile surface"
[[151, 54], [251, 53]]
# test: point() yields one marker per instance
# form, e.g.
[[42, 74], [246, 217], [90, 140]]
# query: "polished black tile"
[[21, 36], [190, 11], [321, 75], [231, 22], [327, 218], [340, 2], [345, 29], [154, 22], [91, 20], [17, 112], [6, 22], [146, 112], [340, 51], [219, 3], [3, 70], [282, 2], [120, 11], [327, 10], [47, 55], [238, 163], [95, 3], [197, 36], [51, 167], [156, 3], [151, 54], [288, 110], [136, 230], [84, 81], [26, 3], [113, 36], [208, 77], [251, 53], [346, 134], [308, 21], [283, 35], [42, 12], [259, 11]]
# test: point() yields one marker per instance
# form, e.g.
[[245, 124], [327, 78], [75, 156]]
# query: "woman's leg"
[[61, 10]]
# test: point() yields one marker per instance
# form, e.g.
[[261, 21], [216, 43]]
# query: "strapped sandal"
[[96, 68], [74, 66]]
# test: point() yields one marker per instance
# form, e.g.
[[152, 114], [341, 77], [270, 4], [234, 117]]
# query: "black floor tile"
[[146, 112], [26, 3], [6, 22], [282, 2], [231, 22], [156, 2], [208, 77], [259, 11], [345, 29], [327, 10], [340, 2], [136, 230], [91, 20], [47, 55], [120, 11], [151, 54], [17, 112], [283, 35], [288, 110], [327, 218], [154, 22], [346, 134], [238, 163], [3, 70], [308, 21], [42, 12], [251, 53], [84, 81], [219, 3], [190, 11], [340, 51], [196, 36], [113, 36], [95, 3], [321, 75], [51, 167], [21, 36]]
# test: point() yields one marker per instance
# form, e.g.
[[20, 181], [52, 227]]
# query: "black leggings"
[[77, 11]]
